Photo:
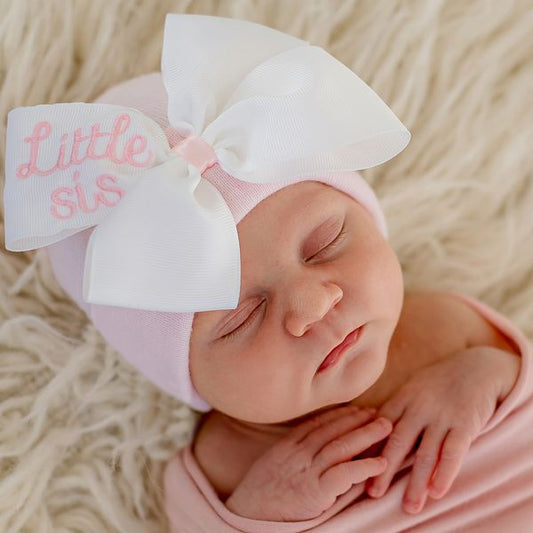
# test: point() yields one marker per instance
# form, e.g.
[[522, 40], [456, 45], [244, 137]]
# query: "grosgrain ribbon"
[[165, 239]]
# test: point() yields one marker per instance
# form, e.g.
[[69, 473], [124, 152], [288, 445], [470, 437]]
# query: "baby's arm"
[[481, 333], [450, 401]]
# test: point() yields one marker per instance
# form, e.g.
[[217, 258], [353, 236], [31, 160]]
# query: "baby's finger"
[[426, 458], [340, 478], [321, 420], [416, 507], [393, 408], [399, 444], [347, 446], [318, 437], [452, 455], [336, 432]]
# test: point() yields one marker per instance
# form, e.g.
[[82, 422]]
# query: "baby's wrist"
[[511, 368], [246, 509], [505, 365], [233, 505]]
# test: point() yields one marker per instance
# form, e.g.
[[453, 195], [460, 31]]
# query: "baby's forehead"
[[288, 221], [288, 215], [303, 189], [297, 197]]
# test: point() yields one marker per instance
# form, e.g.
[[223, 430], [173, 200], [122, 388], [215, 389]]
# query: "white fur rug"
[[83, 437]]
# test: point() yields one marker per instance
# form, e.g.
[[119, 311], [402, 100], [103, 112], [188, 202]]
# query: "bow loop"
[[284, 109], [205, 58]]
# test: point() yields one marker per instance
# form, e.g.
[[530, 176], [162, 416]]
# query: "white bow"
[[269, 105]]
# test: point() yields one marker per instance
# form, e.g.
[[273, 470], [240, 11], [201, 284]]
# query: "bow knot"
[[197, 152]]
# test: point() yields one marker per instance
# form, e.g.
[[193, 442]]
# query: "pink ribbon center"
[[197, 152]]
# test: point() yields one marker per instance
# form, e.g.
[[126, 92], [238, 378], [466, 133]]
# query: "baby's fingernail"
[[435, 493], [413, 505], [385, 423], [375, 491]]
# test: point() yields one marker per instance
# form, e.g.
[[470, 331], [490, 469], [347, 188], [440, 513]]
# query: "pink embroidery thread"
[[43, 130], [99, 198]]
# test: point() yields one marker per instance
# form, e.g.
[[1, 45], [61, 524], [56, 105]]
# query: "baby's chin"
[[280, 426], [277, 422]]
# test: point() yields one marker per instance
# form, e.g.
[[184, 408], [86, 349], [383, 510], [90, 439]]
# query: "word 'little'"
[[134, 146]]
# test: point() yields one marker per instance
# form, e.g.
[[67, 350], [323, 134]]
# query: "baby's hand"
[[302, 474], [449, 402]]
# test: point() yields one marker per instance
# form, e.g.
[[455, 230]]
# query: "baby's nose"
[[311, 305]]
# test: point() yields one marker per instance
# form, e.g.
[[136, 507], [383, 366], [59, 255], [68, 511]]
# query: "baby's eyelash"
[[244, 325], [251, 317], [333, 243]]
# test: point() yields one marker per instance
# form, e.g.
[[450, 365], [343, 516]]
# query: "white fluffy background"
[[83, 437]]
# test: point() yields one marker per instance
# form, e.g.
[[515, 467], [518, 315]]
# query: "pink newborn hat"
[[192, 150], [155, 342]]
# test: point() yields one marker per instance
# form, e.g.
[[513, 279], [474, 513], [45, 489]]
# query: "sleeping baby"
[[211, 221], [324, 322]]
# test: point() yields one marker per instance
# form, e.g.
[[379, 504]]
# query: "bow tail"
[[170, 245]]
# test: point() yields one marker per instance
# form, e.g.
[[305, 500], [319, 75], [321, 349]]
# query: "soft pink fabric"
[[154, 342], [493, 492]]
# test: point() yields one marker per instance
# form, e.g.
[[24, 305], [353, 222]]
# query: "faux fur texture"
[[83, 437]]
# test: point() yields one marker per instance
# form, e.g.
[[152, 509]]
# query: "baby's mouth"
[[335, 355]]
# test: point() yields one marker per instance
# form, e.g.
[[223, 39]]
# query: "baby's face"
[[300, 296]]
